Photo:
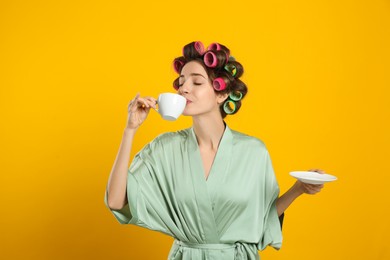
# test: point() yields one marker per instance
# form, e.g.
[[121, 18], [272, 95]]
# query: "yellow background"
[[318, 78]]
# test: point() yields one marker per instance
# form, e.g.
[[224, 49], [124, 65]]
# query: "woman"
[[211, 188]]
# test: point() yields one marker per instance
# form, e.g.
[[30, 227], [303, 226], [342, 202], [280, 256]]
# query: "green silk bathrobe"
[[231, 215]]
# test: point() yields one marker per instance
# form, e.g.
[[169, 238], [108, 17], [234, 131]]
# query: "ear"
[[222, 97]]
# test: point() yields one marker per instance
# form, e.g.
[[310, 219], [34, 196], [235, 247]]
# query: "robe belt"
[[205, 246]]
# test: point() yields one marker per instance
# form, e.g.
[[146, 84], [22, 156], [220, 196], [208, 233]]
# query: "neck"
[[208, 130]]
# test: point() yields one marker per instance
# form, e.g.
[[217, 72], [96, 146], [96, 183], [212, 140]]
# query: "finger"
[[312, 190], [137, 104], [316, 188], [134, 100], [317, 170], [141, 102], [146, 103], [151, 101]]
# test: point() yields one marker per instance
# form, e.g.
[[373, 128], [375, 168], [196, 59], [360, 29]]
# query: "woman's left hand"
[[309, 188]]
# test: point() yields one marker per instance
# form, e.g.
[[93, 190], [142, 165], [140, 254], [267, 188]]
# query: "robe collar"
[[227, 138]]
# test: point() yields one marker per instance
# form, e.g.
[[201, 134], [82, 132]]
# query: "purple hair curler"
[[177, 65], [210, 59], [219, 84]]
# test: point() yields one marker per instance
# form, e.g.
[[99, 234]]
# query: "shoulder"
[[172, 137], [248, 141], [168, 139]]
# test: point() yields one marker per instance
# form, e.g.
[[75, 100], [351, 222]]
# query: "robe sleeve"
[[145, 205], [272, 235], [129, 213]]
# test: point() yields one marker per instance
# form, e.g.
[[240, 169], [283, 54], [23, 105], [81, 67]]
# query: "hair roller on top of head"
[[219, 84], [214, 46], [215, 59], [218, 47], [210, 59], [199, 47], [193, 50]]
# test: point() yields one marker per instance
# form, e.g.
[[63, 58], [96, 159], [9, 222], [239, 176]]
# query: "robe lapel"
[[222, 159], [203, 189]]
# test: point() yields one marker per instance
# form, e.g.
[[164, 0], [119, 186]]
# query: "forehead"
[[193, 67]]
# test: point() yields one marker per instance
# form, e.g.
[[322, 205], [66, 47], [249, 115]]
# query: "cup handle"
[[157, 101]]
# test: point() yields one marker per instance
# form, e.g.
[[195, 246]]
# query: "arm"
[[116, 187], [138, 110], [287, 198], [299, 188]]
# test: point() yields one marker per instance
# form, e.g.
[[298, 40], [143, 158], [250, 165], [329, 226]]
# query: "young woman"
[[211, 188]]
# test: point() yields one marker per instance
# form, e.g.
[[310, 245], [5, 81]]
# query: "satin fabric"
[[234, 208]]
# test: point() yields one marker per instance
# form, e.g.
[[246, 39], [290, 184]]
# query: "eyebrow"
[[194, 74]]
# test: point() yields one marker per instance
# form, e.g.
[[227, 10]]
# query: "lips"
[[188, 101]]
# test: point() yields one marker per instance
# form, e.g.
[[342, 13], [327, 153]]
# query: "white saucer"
[[313, 177]]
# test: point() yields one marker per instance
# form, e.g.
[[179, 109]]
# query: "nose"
[[185, 88]]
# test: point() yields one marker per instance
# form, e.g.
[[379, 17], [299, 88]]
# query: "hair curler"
[[219, 84], [235, 95], [231, 69], [177, 65], [210, 59], [176, 84], [199, 47], [214, 46], [229, 107]]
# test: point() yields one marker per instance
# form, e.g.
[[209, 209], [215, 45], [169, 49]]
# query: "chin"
[[187, 112]]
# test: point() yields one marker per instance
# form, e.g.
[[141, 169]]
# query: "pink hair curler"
[[214, 46], [210, 59], [177, 65], [176, 84], [217, 47], [199, 47], [219, 84]]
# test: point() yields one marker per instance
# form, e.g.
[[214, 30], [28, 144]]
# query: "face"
[[197, 88]]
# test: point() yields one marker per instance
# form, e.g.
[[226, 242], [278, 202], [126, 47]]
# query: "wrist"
[[130, 131], [296, 189]]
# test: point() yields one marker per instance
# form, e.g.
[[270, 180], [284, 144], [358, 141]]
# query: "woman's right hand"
[[138, 110]]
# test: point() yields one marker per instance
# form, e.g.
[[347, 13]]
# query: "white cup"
[[170, 105]]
